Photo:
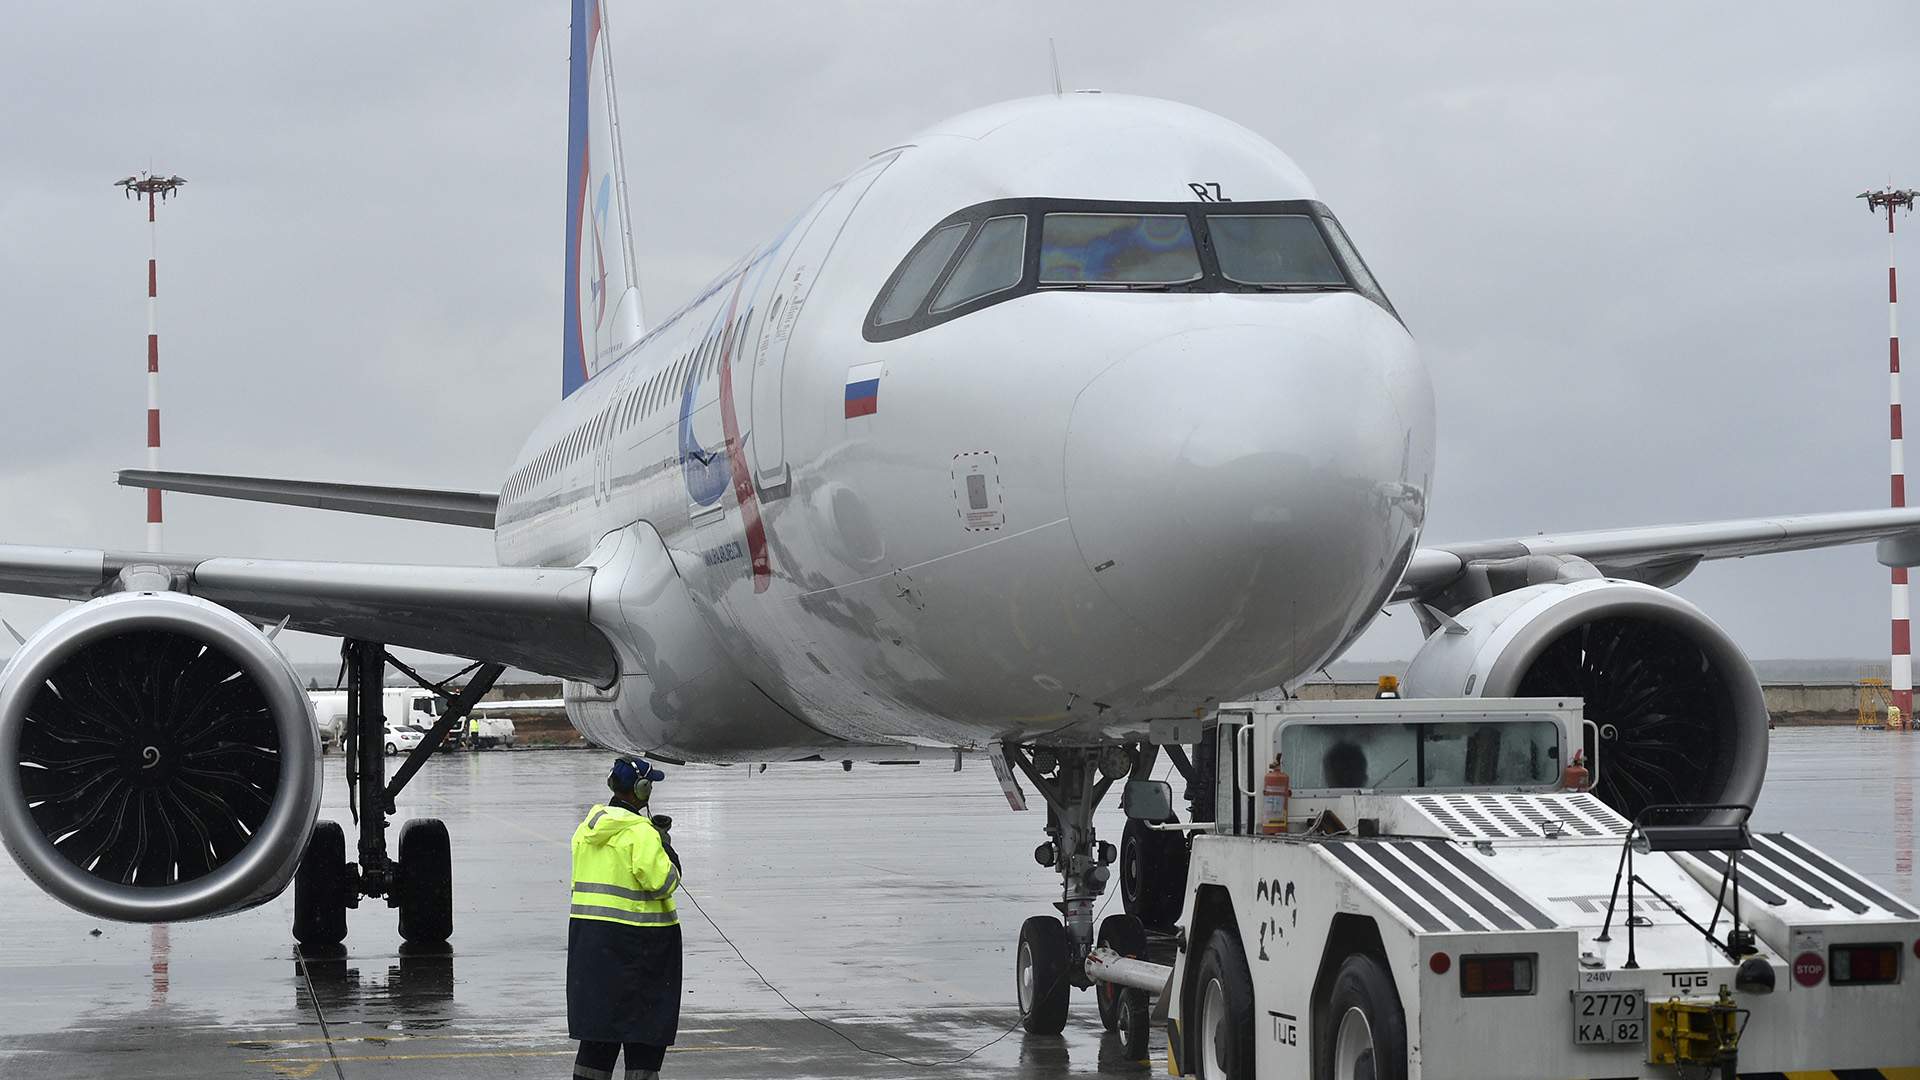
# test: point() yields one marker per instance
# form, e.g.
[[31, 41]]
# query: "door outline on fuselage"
[[785, 302]]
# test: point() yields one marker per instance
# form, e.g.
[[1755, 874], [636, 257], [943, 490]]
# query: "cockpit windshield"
[[1273, 249], [998, 251], [1117, 249]]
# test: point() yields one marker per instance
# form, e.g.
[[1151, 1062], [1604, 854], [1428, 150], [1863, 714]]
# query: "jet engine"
[[1674, 704], [158, 760]]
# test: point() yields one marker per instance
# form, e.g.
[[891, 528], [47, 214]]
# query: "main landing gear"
[[420, 882], [1050, 960]]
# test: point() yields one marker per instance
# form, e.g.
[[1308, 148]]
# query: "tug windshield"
[[1412, 756]]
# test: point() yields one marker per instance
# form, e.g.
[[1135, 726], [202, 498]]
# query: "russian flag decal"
[[863, 389]]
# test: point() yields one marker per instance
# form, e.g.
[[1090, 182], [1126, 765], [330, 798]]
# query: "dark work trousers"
[[595, 1060]]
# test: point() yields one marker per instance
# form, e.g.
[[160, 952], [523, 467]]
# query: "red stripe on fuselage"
[[743, 492]]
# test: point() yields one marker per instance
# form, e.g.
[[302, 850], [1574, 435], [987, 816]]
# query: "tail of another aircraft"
[[603, 315]]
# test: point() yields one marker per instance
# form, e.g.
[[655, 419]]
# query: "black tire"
[[1379, 1048], [425, 888], [1223, 1011], [1041, 979], [392, 749], [320, 888], [1124, 935], [1153, 875], [1135, 1013]]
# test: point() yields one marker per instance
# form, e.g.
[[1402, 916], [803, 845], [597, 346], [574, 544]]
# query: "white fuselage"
[[1068, 513]]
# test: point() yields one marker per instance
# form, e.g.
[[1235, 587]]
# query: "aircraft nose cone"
[[1245, 494]]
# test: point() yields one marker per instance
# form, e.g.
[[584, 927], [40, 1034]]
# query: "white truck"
[[407, 706], [1440, 907]]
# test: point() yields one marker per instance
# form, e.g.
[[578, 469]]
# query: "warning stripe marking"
[[1812, 858], [1436, 887]]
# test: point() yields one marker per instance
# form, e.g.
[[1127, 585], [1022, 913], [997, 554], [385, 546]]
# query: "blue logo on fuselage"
[[708, 472]]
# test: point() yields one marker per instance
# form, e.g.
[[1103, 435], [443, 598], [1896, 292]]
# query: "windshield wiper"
[[1390, 772]]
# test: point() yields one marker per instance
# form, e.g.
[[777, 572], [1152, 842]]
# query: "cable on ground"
[[326, 1034], [850, 1040]]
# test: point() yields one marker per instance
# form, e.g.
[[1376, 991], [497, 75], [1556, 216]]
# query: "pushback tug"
[[1439, 903]]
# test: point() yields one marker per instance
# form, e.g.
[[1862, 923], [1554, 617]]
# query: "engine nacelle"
[[1678, 707], [158, 760]]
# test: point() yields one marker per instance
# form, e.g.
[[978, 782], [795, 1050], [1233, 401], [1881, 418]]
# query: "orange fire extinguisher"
[[1576, 776], [1278, 791]]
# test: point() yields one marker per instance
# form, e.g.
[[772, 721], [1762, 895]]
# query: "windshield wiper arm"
[[1390, 772]]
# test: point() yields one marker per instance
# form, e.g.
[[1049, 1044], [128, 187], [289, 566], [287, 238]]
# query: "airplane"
[[1041, 433]]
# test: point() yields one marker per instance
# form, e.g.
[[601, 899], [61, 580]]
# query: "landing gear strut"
[[420, 882], [1053, 952]]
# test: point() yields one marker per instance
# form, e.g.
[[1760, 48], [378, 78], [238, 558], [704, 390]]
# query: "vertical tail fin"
[[603, 315]]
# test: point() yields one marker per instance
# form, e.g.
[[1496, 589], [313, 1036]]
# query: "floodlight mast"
[[157, 189], [1889, 200]]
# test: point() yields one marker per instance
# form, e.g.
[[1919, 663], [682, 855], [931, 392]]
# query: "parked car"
[[401, 738]]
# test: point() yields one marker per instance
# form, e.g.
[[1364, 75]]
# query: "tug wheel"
[[320, 888], [1124, 935], [1223, 1009], [1040, 975], [1363, 1033], [1153, 872]]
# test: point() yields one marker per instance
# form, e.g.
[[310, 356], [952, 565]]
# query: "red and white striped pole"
[[1902, 652], [156, 189], [153, 372]]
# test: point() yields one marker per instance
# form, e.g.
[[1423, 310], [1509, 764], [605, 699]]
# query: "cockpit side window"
[[996, 260], [1362, 277], [916, 279], [1117, 249]]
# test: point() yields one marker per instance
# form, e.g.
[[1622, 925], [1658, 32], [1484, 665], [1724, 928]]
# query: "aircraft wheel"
[[1135, 1011], [320, 888], [1153, 873], [1041, 976], [1124, 935], [1363, 1031], [1223, 1007], [425, 886]]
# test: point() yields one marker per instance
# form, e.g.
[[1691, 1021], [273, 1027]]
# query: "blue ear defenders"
[[629, 772]]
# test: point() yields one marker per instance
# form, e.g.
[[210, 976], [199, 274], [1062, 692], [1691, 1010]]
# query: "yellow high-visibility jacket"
[[621, 873]]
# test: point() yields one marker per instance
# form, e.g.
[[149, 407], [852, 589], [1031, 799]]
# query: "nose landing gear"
[[1051, 958]]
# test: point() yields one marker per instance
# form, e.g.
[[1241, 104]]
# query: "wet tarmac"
[[884, 901]]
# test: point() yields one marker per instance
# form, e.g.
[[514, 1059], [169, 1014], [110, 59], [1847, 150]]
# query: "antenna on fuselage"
[[1054, 54]]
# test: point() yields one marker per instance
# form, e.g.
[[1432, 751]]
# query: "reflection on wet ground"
[[884, 900]]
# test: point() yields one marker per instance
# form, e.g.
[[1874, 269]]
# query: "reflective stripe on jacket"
[[621, 872]]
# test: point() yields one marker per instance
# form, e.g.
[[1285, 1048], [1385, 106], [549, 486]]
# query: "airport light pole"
[[157, 189], [1888, 200]]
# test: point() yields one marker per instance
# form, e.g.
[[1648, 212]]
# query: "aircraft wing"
[[474, 509], [534, 618], [1665, 553]]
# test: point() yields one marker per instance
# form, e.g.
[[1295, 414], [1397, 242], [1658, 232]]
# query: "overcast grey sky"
[[1625, 237]]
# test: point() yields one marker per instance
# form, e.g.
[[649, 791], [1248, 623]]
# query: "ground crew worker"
[[623, 936]]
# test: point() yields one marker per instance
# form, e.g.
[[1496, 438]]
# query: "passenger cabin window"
[[916, 279], [994, 261], [1406, 756], [1117, 249], [1273, 250]]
